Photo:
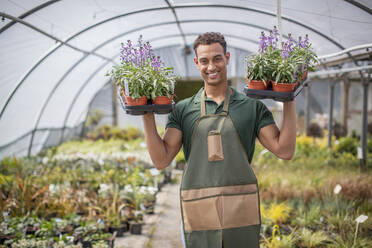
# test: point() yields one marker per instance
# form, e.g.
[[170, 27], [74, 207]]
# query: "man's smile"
[[212, 75]]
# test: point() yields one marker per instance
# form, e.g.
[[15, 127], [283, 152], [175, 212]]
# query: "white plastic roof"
[[54, 54]]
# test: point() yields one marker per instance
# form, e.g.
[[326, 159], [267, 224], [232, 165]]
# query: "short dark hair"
[[210, 38]]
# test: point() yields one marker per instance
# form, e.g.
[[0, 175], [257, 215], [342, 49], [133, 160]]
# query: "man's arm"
[[162, 150], [282, 143]]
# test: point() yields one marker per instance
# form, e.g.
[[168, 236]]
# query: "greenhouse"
[[80, 167]]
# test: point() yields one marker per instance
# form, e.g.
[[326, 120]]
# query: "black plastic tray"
[[276, 96], [143, 109]]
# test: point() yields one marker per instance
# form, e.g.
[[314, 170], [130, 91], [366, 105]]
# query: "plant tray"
[[276, 96], [141, 110]]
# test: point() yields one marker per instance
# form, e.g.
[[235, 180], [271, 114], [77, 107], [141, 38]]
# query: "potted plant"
[[259, 67], [116, 225], [141, 75], [307, 57], [285, 68], [136, 223], [291, 68], [163, 88]]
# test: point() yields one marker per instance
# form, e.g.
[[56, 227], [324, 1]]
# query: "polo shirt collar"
[[234, 97]]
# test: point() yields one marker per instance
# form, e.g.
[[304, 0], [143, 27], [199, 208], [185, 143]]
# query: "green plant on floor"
[[111, 208], [93, 118], [308, 238], [347, 145], [308, 217], [276, 213], [279, 241], [31, 243]]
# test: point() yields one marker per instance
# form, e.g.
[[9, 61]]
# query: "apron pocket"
[[240, 210], [202, 214], [215, 152]]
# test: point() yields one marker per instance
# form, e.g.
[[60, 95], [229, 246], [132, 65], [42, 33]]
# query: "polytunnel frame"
[[126, 14], [142, 11]]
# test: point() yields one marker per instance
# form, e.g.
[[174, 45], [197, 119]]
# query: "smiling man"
[[217, 128]]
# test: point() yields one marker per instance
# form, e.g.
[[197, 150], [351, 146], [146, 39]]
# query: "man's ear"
[[196, 60], [227, 55]]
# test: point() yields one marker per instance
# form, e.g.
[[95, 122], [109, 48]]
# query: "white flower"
[[337, 189], [103, 187], [263, 152], [361, 218], [101, 162], [154, 171], [53, 188], [45, 160], [128, 188]]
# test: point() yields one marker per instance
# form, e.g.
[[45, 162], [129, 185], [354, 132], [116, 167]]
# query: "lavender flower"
[[285, 52], [290, 43], [276, 34], [139, 55], [306, 41], [263, 44]]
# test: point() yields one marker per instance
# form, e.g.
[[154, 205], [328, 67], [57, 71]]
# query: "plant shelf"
[[144, 109], [276, 96]]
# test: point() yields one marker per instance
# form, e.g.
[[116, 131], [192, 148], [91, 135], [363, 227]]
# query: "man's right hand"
[[162, 150]]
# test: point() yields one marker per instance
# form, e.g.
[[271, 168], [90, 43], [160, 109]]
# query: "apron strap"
[[202, 104], [225, 108]]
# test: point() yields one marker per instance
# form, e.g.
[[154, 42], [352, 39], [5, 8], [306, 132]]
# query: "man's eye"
[[203, 62]]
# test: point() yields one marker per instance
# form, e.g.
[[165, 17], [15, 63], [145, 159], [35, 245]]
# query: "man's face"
[[212, 62]]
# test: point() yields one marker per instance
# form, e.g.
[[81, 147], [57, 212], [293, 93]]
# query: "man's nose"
[[211, 66]]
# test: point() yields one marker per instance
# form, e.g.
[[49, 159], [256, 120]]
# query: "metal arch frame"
[[177, 21], [88, 106], [49, 35], [40, 113], [182, 34], [27, 13], [226, 35], [79, 91], [150, 10], [360, 6]]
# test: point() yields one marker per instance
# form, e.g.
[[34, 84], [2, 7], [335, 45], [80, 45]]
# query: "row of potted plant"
[[113, 190], [283, 67], [141, 75]]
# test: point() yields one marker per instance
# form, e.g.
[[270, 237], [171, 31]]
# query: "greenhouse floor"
[[163, 229]]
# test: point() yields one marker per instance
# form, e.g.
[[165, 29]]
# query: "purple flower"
[[290, 43], [263, 44], [285, 53], [306, 41], [276, 34]]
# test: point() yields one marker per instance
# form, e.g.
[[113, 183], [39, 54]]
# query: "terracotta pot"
[[257, 85], [131, 102], [284, 87], [304, 75], [161, 100]]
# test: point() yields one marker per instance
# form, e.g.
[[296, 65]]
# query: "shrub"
[[315, 130], [347, 145]]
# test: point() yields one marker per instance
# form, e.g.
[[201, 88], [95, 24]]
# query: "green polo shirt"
[[248, 116]]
